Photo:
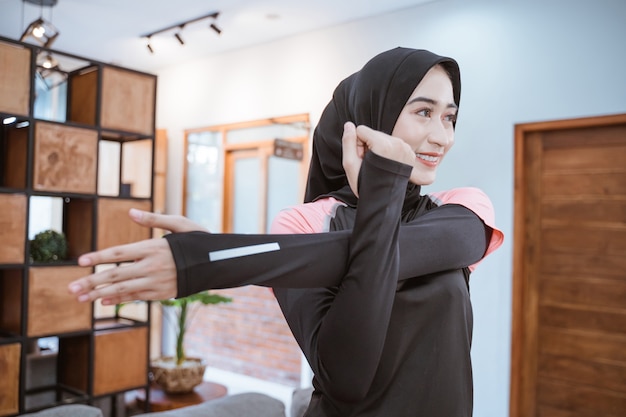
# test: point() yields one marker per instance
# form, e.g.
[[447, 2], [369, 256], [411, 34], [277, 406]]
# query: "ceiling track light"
[[149, 46], [180, 26], [215, 28]]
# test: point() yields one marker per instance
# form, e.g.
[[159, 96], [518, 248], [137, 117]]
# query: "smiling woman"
[[375, 288]]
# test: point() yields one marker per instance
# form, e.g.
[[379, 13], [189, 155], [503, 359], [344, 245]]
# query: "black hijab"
[[373, 96]]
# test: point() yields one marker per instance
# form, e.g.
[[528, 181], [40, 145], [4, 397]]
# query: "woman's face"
[[426, 124]]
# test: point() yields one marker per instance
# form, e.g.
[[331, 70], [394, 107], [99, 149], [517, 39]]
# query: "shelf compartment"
[[73, 216], [65, 158], [115, 227], [137, 167], [78, 226], [127, 101], [11, 300], [133, 159], [10, 355], [12, 228], [14, 155], [73, 363], [15, 79], [82, 96], [120, 360], [51, 309]]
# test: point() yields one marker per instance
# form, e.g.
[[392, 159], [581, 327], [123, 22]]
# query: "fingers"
[[386, 145], [176, 224], [117, 254], [86, 288], [126, 291], [150, 259], [123, 283]]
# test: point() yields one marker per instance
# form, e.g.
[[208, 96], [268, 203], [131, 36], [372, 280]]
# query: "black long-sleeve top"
[[381, 310]]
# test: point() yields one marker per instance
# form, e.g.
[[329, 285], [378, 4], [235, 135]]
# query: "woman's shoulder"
[[477, 201], [473, 198], [313, 217], [460, 194]]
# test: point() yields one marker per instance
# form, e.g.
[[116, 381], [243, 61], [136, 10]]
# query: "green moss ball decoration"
[[48, 246]]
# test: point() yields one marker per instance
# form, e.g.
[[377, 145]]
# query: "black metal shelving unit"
[[75, 361]]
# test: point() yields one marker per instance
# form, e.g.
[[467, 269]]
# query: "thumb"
[[350, 159], [175, 224], [149, 219], [349, 141]]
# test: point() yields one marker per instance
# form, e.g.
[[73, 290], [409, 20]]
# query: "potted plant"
[[48, 246], [180, 374]]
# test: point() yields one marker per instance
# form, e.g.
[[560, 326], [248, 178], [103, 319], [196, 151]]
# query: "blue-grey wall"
[[521, 61]]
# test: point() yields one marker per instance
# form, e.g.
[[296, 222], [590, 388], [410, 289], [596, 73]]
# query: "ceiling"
[[110, 30]]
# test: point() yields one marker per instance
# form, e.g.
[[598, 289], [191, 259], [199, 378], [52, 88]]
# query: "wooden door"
[[569, 300]]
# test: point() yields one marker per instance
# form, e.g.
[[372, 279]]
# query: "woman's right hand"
[[148, 271], [356, 141]]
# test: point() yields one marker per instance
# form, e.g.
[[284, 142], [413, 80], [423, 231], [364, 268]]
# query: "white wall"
[[521, 61]]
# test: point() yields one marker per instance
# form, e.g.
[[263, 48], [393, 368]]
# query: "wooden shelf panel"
[[65, 158], [120, 360], [12, 228], [14, 79], [127, 101], [9, 383], [51, 309], [114, 225]]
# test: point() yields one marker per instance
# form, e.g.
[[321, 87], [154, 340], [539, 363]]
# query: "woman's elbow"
[[349, 389]]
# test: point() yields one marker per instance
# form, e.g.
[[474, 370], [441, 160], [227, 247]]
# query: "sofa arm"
[[300, 401], [70, 410], [248, 404]]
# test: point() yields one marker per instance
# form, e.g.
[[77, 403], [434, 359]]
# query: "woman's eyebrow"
[[431, 101]]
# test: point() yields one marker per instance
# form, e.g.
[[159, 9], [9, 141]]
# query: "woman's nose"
[[438, 134]]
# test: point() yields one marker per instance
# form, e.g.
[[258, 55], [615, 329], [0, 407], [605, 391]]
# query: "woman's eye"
[[451, 118], [424, 112]]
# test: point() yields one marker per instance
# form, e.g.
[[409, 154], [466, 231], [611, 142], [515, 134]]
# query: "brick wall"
[[248, 336]]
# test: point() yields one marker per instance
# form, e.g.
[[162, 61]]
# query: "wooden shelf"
[[65, 158], [114, 225], [12, 228], [9, 383], [51, 308], [54, 163], [120, 359], [127, 101], [14, 79]]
